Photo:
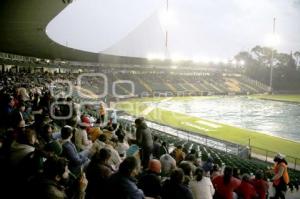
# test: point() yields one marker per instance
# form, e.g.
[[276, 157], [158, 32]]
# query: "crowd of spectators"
[[86, 157]]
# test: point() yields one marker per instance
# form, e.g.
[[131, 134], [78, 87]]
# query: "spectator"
[[113, 119], [18, 114], [174, 188], [81, 138], [22, 147], [208, 166], [163, 149], [149, 181], [156, 147], [178, 154], [144, 141], [122, 185], [54, 181], [281, 178], [187, 170], [77, 160], [95, 136], [216, 171], [260, 185], [115, 159], [191, 159], [168, 163], [246, 190], [102, 112], [122, 146], [226, 184], [98, 173], [201, 186], [236, 173]]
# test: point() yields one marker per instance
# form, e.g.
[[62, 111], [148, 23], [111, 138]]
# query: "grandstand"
[[149, 81], [53, 81]]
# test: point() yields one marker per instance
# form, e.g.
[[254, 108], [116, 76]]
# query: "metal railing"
[[221, 145], [268, 156]]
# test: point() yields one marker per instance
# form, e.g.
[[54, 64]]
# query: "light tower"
[[166, 36], [273, 41]]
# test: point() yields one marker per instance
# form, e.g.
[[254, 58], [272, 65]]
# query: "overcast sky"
[[199, 28]]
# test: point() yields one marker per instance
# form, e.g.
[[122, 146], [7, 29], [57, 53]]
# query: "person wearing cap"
[[150, 181], [281, 178]]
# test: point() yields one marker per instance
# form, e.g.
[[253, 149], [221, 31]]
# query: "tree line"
[[286, 67]]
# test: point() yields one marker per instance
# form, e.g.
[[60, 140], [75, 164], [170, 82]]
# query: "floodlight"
[[224, 61], [242, 62], [166, 18], [272, 40], [196, 59], [204, 60], [215, 61]]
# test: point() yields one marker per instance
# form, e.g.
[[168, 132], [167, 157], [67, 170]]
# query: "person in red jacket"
[[246, 190], [226, 184], [261, 186]]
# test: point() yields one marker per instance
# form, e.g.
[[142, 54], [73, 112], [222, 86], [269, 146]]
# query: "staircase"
[[120, 86], [233, 85], [170, 86], [212, 86], [249, 87], [191, 85], [143, 83]]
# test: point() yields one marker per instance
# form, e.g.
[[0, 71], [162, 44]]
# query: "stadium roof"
[[23, 25]]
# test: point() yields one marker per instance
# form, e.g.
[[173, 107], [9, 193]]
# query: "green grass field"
[[212, 128], [284, 98]]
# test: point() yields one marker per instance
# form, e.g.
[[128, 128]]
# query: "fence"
[[227, 147], [221, 145], [268, 156]]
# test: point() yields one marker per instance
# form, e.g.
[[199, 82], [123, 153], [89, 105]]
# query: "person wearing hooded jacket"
[[144, 141]]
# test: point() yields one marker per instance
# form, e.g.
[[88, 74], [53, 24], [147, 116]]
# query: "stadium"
[[240, 112]]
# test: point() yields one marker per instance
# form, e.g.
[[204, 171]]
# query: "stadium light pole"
[[166, 36], [272, 56]]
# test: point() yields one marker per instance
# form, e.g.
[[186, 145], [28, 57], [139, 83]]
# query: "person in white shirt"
[[81, 138], [114, 118], [201, 186], [122, 146]]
